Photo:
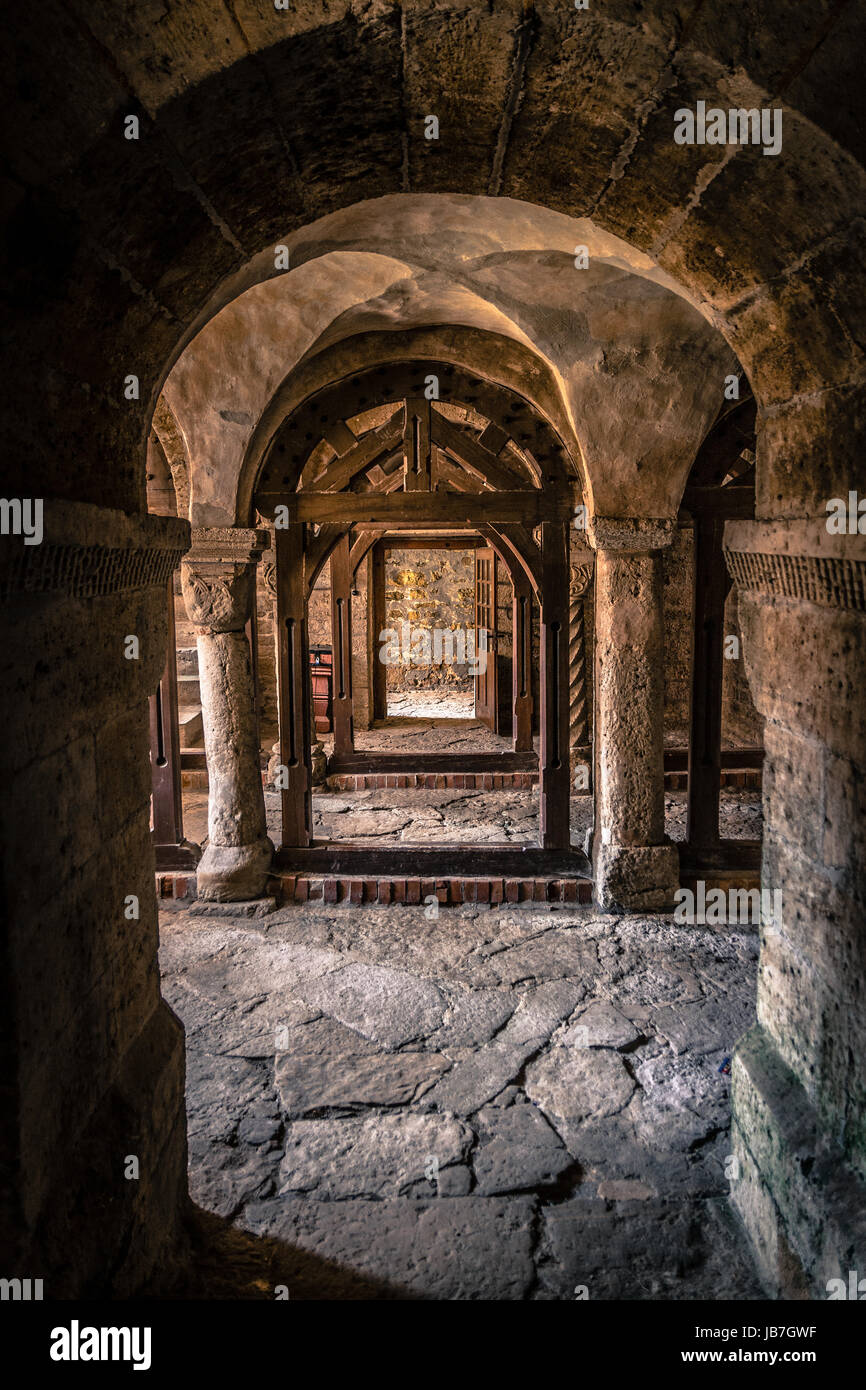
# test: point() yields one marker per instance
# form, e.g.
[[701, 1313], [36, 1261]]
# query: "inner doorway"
[[441, 617]]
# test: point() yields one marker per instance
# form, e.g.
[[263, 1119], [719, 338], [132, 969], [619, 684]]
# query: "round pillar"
[[635, 865], [218, 577]]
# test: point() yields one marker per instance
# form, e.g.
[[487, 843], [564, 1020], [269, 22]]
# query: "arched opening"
[[556, 133]]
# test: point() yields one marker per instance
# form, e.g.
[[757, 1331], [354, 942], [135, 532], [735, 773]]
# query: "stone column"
[[218, 577], [799, 1077], [635, 866], [93, 1058]]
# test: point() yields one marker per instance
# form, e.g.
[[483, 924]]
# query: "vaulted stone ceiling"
[[638, 371], [251, 127]]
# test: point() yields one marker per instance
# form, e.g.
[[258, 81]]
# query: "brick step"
[[180, 886], [447, 891], [496, 781], [484, 781]]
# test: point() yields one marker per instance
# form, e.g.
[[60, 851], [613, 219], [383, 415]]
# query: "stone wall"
[[434, 592]]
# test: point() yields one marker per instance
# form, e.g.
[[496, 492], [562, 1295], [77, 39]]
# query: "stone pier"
[[636, 867], [799, 1076], [218, 578]]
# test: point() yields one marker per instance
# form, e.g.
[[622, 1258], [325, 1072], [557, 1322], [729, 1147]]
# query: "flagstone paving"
[[520, 1104]]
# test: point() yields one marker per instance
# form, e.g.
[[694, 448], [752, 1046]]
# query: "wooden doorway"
[[416, 476]]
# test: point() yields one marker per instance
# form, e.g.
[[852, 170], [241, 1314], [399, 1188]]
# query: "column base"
[[234, 873], [636, 878], [803, 1206]]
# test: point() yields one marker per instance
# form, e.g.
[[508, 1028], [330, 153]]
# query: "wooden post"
[[521, 660], [341, 646], [379, 682], [555, 761], [293, 674], [712, 584], [416, 446], [171, 849]]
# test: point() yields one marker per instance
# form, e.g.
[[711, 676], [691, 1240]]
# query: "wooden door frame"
[[553, 766]]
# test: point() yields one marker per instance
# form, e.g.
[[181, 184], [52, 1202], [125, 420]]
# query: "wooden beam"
[[416, 445], [379, 673], [172, 851], [318, 548], [493, 439], [444, 470], [527, 507], [518, 540], [340, 437], [725, 854], [360, 456], [293, 675], [461, 542], [521, 661], [341, 645], [474, 456], [443, 861]]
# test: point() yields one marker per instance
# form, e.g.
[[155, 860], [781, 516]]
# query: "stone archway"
[[767, 246]]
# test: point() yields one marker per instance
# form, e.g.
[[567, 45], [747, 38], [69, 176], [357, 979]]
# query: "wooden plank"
[[293, 675], [341, 646], [441, 861], [555, 777]]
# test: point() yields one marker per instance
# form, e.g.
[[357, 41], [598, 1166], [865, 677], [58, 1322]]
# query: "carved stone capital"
[[269, 573], [218, 576], [579, 581]]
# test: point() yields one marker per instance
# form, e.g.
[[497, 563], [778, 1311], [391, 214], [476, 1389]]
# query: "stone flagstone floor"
[[519, 1104], [420, 816]]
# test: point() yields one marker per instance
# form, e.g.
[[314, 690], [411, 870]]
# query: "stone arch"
[[795, 340], [107, 287]]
